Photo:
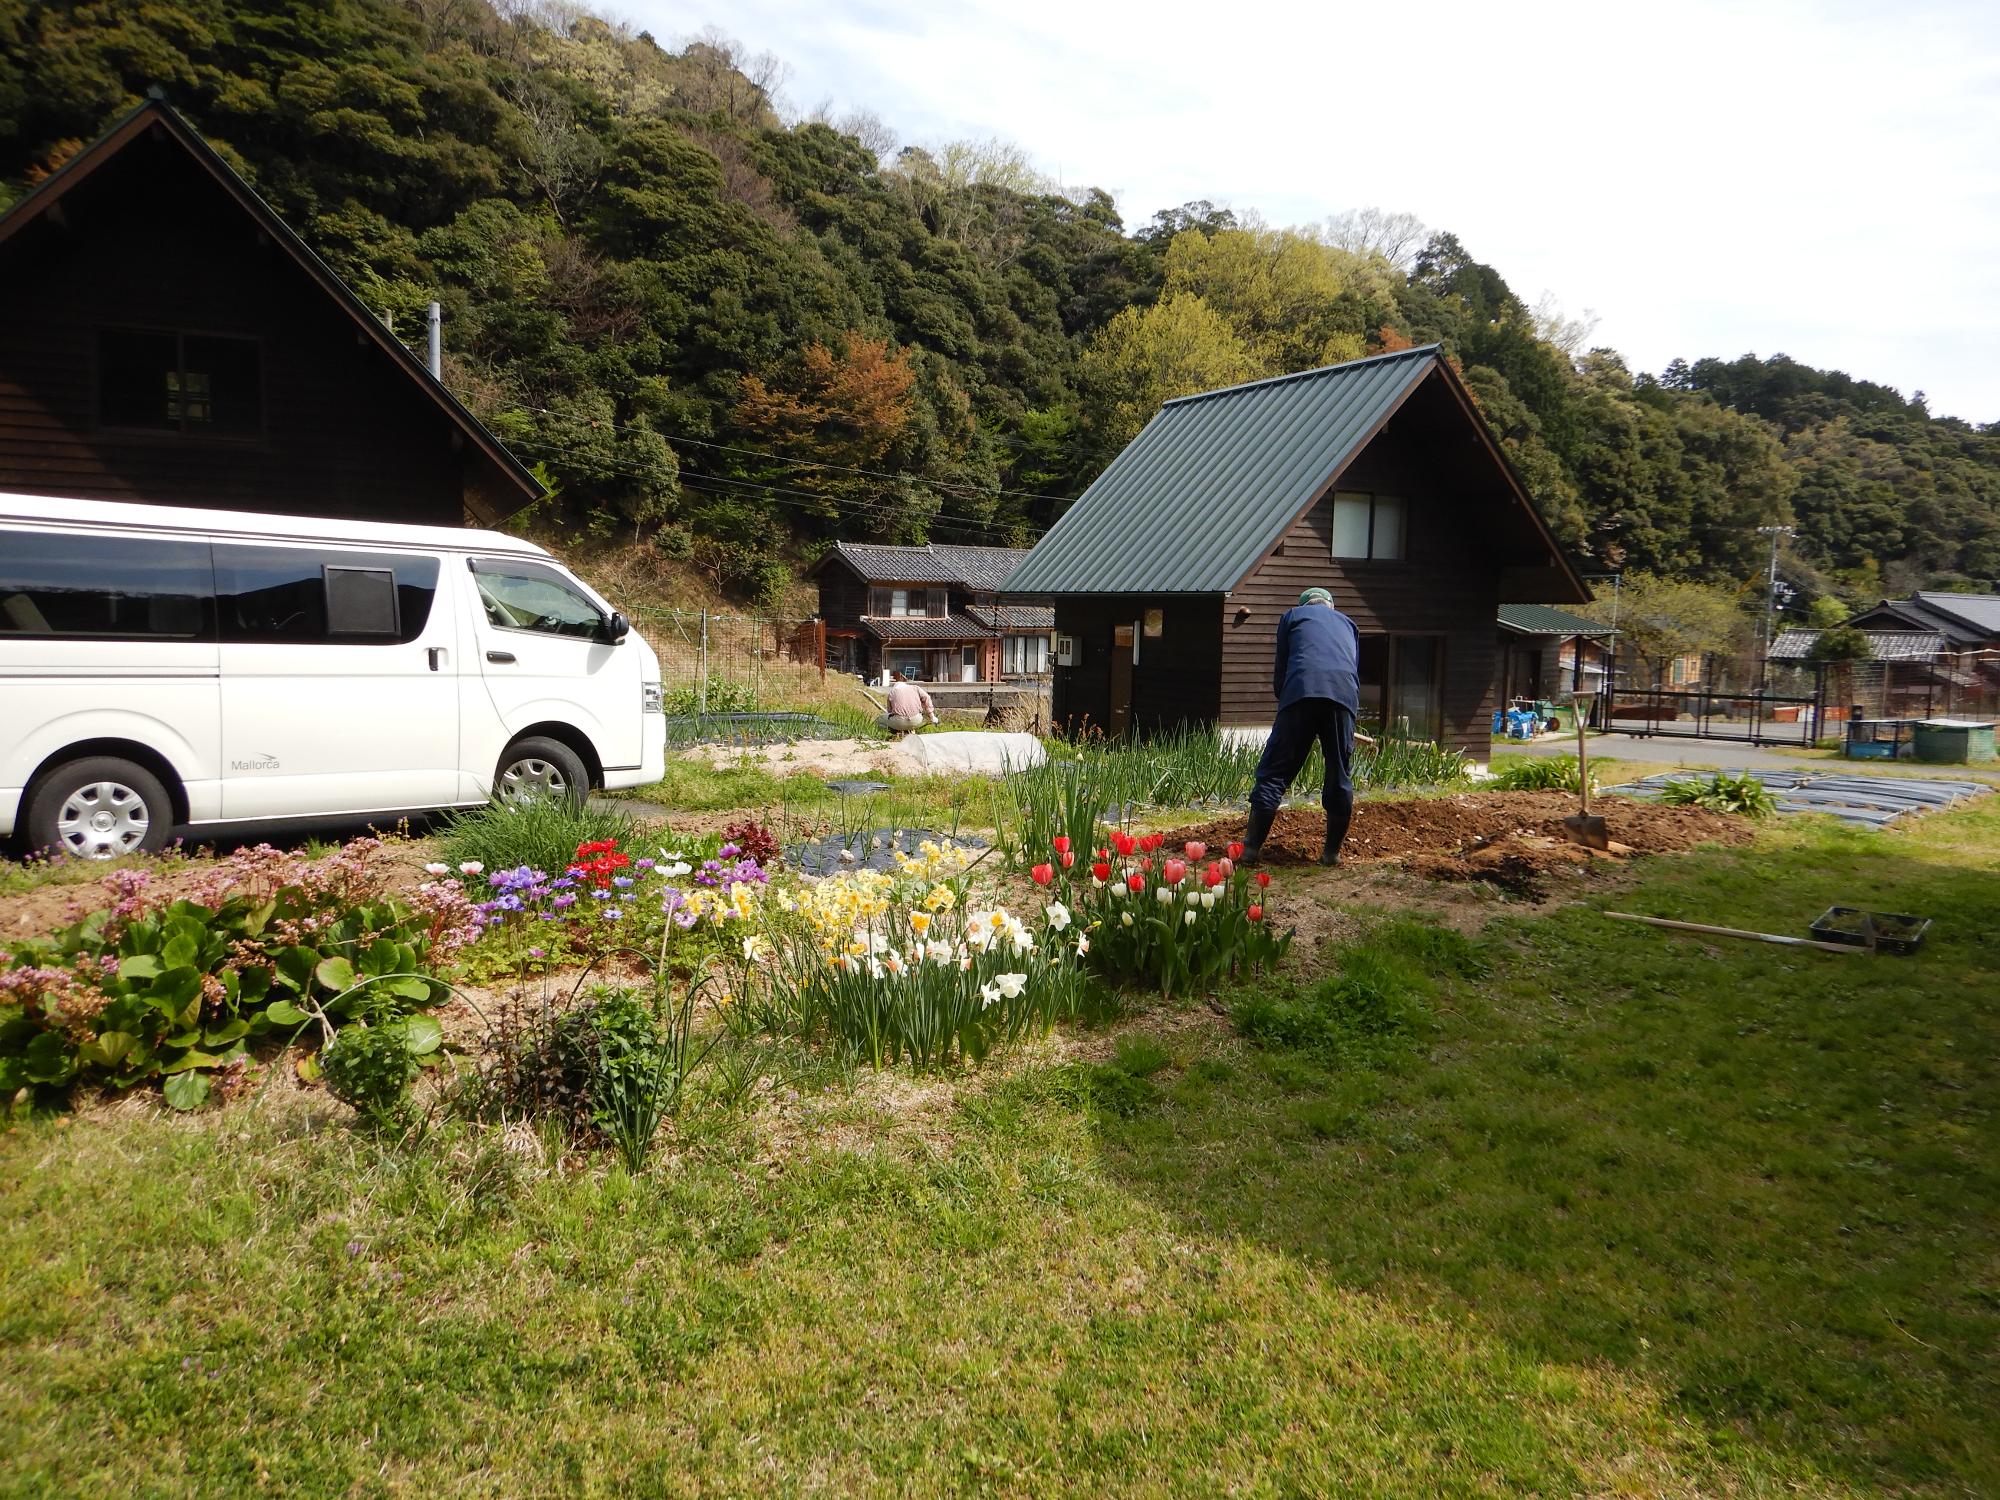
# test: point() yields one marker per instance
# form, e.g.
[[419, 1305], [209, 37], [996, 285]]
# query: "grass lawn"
[[1629, 1213]]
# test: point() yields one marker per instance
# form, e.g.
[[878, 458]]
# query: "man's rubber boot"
[[1254, 835], [1336, 835]]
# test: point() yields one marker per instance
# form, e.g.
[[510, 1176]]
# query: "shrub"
[[1722, 791], [608, 1071], [268, 944], [371, 1068], [1541, 773], [541, 833]]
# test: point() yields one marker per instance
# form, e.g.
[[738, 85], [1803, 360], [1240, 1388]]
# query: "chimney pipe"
[[434, 349]]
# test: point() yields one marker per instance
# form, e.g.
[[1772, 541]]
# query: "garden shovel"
[[1580, 827]]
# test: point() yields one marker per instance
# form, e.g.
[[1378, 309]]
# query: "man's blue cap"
[[1315, 596]]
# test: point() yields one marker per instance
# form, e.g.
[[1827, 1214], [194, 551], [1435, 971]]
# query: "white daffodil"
[[989, 993], [1058, 916], [756, 949], [1082, 945], [1010, 985]]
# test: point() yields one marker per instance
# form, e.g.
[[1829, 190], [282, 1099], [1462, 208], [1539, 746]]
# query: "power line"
[[804, 463], [704, 483]]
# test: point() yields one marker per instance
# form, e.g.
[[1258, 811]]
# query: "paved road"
[[1674, 750]]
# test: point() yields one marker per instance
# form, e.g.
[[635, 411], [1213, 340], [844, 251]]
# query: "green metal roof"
[[1546, 619], [1202, 494]]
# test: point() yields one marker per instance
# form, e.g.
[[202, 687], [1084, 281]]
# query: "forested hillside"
[[732, 336]]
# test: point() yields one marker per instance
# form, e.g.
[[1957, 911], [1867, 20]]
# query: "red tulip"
[[1124, 843], [1228, 868], [1062, 843], [1135, 883], [1173, 870], [1212, 876], [1235, 851], [1043, 874], [1263, 877], [1146, 865], [1195, 849], [1100, 871], [1152, 841], [1068, 859], [1256, 912]]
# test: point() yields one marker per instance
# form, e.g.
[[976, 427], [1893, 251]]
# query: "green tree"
[[1150, 355]]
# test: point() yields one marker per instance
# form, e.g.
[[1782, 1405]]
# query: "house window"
[[179, 382], [903, 603], [1368, 526], [1401, 681], [1024, 655]]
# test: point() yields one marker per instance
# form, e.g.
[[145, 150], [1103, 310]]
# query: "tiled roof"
[[1883, 645], [1546, 619], [1965, 620], [982, 569], [926, 628], [1014, 618]]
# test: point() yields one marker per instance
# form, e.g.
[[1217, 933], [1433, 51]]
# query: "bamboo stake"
[[1736, 932]]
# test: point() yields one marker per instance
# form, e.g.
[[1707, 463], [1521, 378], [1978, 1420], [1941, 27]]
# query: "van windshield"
[[522, 596]]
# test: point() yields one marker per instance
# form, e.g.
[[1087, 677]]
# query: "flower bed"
[[905, 967], [180, 990], [1167, 920]]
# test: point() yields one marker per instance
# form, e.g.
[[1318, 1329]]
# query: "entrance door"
[[544, 658], [1120, 704], [969, 665], [1416, 708], [337, 692]]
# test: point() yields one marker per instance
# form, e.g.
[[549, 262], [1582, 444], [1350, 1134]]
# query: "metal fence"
[[714, 663], [1700, 713], [1956, 685]]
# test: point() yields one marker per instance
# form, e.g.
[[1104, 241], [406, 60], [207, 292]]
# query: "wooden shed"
[[165, 337], [1376, 479]]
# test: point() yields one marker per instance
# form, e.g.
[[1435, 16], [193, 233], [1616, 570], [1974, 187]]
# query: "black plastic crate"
[[1885, 932]]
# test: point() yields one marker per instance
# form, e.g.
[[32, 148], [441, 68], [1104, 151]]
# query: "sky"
[[1762, 176]]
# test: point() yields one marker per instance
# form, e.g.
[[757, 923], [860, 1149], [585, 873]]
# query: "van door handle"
[[436, 655], [500, 656]]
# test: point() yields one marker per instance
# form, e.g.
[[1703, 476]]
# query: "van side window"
[[71, 587], [526, 596], [312, 595]]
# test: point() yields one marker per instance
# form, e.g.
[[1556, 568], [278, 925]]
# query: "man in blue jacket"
[[1317, 682]]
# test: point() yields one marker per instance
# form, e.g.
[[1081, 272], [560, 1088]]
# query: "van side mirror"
[[616, 628]]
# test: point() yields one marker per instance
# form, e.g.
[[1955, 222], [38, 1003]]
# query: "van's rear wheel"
[[99, 808], [540, 770]]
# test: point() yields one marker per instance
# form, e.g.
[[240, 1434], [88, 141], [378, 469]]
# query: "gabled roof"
[[981, 569], [1015, 618], [156, 115], [1883, 645], [1198, 499], [925, 628], [1546, 619], [1964, 619]]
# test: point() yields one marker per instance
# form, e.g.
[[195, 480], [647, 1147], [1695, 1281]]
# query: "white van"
[[162, 667]]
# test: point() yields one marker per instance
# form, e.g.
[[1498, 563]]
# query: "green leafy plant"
[[371, 1068], [1722, 791], [543, 834], [1376, 1003], [271, 944], [724, 696], [1541, 773]]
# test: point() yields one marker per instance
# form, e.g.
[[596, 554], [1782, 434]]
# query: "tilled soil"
[[1511, 838]]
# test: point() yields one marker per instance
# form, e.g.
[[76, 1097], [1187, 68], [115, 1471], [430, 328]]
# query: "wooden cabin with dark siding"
[[164, 337], [1376, 480]]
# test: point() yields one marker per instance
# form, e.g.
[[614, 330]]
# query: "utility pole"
[[434, 341], [1776, 534]]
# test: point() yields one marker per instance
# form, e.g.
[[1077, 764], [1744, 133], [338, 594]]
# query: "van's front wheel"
[[99, 808], [540, 770]]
